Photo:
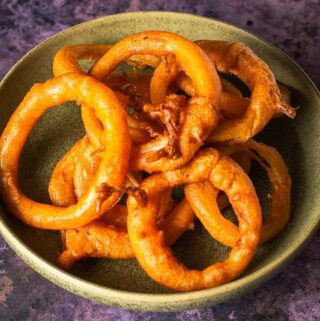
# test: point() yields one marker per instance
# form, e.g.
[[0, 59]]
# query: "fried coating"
[[112, 169], [202, 196], [148, 242]]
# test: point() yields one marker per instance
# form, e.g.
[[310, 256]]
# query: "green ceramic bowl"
[[123, 283]]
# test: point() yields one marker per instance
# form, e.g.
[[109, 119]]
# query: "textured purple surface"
[[291, 25]]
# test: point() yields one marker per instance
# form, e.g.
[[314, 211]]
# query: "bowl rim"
[[151, 301]]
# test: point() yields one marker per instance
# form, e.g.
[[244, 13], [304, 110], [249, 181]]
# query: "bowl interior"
[[298, 141]]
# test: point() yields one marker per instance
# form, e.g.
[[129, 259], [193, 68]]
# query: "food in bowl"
[[147, 134]]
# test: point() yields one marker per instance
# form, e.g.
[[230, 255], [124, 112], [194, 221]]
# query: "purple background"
[[294, 27]]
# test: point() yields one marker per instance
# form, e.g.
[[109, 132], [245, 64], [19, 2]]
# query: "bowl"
[[122, 282]]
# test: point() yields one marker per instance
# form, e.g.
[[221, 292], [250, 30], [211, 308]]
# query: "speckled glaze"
[[123, 283]]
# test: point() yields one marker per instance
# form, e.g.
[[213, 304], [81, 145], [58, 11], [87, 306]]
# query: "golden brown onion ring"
[[239, 60], [202, 197], [198, 66], [67, 60], [111, 172], [148, 242]]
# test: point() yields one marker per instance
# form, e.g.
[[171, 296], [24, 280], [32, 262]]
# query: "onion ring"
[[202, 195], [265, 99], [148, 242], [67, 60], [272, 162], [198, 66], [191, 59], [236, 58], [111, 172]]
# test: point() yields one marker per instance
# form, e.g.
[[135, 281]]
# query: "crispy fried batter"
[[168, 113]]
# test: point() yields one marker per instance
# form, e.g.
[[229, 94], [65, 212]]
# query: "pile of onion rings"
[[183, 124]]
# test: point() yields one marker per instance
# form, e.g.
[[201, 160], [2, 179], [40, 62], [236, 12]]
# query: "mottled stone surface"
[[291, 25]]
